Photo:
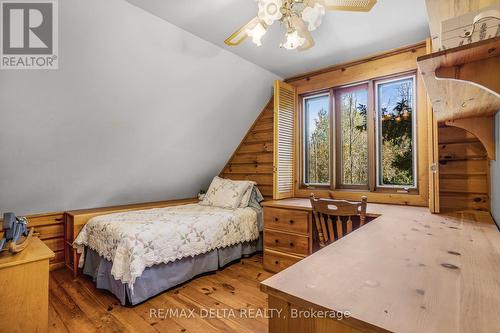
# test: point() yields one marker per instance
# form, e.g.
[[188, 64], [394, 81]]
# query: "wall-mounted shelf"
[[463, 82]]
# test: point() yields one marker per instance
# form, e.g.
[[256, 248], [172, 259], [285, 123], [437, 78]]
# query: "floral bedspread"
[[135, 240]]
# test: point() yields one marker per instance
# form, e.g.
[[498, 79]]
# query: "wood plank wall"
[[253, 159], [463, 169], [50, 228]]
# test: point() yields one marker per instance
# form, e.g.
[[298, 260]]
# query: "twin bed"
[[139, 254]]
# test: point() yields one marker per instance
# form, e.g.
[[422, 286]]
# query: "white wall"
[[495, 175], [139, 110]]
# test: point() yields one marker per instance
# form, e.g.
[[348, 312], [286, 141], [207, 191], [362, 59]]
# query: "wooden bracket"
[[482, 128], [463, 82], [483, 73]]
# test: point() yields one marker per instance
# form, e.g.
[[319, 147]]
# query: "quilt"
[[135, 240]]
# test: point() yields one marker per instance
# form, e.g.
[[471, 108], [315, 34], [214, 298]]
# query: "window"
[[395, 128], [352, 135], [317, 139], [371, 136]]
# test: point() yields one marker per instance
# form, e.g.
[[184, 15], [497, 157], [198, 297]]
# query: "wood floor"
[[75, 305]]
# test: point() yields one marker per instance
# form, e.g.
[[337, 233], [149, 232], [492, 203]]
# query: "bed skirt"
[[159, 278]]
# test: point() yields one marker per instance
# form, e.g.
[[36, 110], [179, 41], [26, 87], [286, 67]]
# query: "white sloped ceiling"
[[343, 36], [139, 110]]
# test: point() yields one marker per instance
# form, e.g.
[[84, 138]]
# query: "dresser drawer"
[[277, 261], [286, 220], [285, 242]]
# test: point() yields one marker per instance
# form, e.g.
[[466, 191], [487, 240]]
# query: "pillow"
[[224, 193], [255, 199], [248, 193]]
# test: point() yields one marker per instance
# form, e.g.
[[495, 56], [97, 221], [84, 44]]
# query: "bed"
[[139, 254]]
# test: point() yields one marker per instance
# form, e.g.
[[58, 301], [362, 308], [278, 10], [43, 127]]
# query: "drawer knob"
[[276, 241], [291, 221], [291, 244], [276, 219], [276, 262]]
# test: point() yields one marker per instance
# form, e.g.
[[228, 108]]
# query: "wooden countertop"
[[35, 251], [406, 271]]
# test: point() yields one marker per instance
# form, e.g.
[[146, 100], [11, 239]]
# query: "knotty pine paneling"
[[463, 170], [387, 63], [459, 151], [253, 159]]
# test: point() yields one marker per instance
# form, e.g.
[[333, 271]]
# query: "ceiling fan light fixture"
[[298, 17], [256, 33], [270, 10], [313, 16], [293, 40]]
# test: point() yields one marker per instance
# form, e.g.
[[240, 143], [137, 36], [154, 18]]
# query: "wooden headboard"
[[82, 216]]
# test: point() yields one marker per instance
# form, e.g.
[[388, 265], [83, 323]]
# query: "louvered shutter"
[[284, 120]]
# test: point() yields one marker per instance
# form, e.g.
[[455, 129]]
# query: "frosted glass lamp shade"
[[270, 10], [293, 40], [313, 16], [256, 33]]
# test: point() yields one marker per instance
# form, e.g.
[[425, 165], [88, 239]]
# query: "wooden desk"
[[24, 285], [406, 271]]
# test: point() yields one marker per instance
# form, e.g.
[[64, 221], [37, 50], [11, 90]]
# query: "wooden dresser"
[[24, 285], [287, 235]]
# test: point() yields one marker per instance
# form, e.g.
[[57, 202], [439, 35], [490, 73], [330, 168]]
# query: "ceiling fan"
[[298, 17]]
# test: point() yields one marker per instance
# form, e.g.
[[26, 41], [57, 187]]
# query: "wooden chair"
[[330, 229]]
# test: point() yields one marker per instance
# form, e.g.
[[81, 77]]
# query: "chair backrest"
[[327, 215]]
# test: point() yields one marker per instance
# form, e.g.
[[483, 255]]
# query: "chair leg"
[[340, 231], [321, 237]]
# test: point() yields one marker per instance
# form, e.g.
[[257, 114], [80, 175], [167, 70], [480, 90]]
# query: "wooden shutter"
[[284, 124]]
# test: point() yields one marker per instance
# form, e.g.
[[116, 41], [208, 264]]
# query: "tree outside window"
[[352, 106], [395, 118], [378, 125], [317, 140]]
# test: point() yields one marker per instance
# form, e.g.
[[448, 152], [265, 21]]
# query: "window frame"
[[302, 124], [378, 139], [373, 172]]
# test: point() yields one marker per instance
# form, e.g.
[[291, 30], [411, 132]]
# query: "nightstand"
[[24, 281]]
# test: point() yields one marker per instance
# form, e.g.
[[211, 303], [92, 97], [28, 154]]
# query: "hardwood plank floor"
[[228, 301]]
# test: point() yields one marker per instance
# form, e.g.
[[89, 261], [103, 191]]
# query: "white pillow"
[[224, 193], [248, 193]]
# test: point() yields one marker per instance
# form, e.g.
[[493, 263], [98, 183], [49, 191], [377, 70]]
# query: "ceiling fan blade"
[[348, 5], [240, 35], [304, 32]]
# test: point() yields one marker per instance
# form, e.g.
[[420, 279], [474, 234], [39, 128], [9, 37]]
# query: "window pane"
[[317, 140], [354, 136], [395, 133]]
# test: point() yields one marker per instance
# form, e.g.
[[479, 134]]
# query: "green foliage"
[[363, 111], [354, 140], [397, 148], [319, 150]]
